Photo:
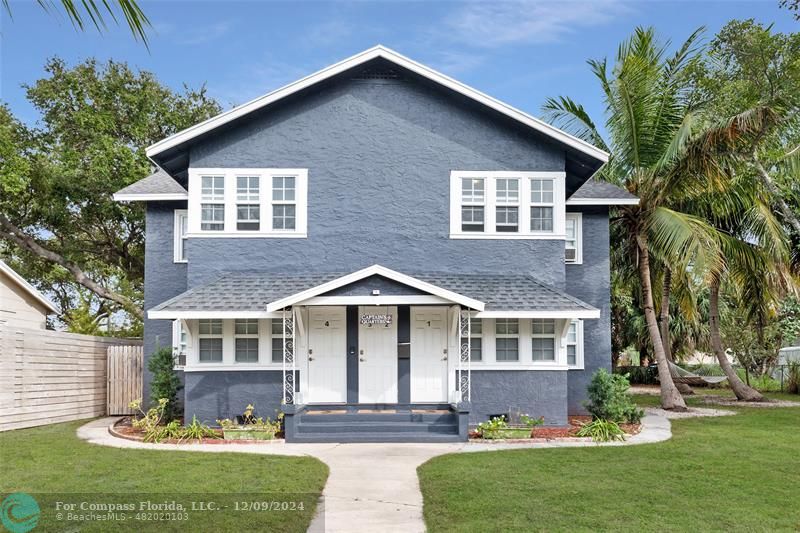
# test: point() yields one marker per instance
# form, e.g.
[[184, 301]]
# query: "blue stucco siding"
[[534, 392], [379, 157], [214, 395], [163, 278], [591, 283]]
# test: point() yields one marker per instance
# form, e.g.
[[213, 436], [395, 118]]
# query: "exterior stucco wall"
[[534, 392], [214, 395], [379, 156], [590, 282], [163, 279]]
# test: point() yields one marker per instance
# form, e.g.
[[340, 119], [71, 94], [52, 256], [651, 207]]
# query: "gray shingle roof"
[[594, 189], [252, 291], [157, 183]]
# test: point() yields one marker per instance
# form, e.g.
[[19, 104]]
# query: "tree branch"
[[17, 236]]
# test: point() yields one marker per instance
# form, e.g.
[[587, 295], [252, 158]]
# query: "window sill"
[[248, 234], [227, 367], [180, 262], [509, 236]]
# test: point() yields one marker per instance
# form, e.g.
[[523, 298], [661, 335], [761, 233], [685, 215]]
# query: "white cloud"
[[494, 24], [192, 36]]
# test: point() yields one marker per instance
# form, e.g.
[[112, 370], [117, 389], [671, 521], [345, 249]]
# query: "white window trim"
[[546, 336], [176, 344], [210, 336], [265, 202], [255, 335], [179, 239], [490, 205], [579, 348], [578, 217]]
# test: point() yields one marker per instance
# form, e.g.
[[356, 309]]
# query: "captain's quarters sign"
[[376, 319]]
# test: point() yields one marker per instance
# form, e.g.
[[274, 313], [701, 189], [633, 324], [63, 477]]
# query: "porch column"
[[464, 360], [289, 374]]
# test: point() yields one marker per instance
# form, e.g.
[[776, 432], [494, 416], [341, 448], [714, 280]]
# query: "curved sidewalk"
[[371, 487]]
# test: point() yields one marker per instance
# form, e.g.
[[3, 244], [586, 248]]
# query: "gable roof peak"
[[160, 149]]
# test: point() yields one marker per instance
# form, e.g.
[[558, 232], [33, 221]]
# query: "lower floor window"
[[247, 350], [544, 349], [507, 349], [211, 350], [277, 340]]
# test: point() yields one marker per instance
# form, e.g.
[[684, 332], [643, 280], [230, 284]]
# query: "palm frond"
[[568, 115]]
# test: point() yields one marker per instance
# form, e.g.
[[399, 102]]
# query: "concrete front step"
[[376, 437], [375, 427], [349, 418]]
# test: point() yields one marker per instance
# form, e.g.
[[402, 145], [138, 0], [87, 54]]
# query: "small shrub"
[[793, 378], [165, 382], [249, 421], [609, 399], [497, 422], [532, 422], [150, 422], [197, 431], [601, 431]]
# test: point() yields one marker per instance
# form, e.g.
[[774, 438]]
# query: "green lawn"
[[725, 473], [51, 461]]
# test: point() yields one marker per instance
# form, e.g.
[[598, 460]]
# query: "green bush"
[[638, 375], [793, 378], [601, 431], [609, 398], [164, 382]]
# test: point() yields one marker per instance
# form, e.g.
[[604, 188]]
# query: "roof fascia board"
[[603, 201], [145, 197], [583, 313], [358, 59]]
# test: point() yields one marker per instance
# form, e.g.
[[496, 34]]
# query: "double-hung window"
[[573, 245], [507, 205], [212, 207], [506, 332], [248, 206], [575, 344], [277, 340], [284, 203], [543, 340], [542, 205], [245, 332], [475, 338], [473, 209], [210, 340], [181, 235]]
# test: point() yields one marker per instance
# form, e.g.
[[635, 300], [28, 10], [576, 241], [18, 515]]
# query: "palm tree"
[[660, 152], [78, 11]]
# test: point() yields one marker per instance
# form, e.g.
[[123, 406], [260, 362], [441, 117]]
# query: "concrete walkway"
[[371, 487]]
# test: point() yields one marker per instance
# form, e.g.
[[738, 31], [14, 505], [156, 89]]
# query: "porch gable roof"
[[264, 294]]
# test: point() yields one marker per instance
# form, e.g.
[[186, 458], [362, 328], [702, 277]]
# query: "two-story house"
[[382, 253]]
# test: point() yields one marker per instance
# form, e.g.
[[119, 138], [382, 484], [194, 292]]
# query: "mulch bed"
[[543, 433], [125, 430]]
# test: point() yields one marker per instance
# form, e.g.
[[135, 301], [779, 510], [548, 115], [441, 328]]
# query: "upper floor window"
[[573, 246], [181, 231], [248, 202], [503, 204]]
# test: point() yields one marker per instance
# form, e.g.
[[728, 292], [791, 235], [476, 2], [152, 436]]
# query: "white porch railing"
[[289, 374], [465, 357]]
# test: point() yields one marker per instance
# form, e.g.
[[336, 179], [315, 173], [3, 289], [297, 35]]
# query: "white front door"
[[377, 356], [428, 354], [327, 355]]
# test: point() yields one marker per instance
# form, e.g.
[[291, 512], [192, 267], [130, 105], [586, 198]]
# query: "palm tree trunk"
[[670, 397], [743, 392], [666, 336]]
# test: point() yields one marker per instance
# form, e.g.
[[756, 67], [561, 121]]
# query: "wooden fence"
[[49, 376], [124, 378]]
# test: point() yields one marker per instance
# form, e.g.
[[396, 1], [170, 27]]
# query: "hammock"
[[681, 375]]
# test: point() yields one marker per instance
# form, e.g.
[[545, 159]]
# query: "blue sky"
[[519, 52]]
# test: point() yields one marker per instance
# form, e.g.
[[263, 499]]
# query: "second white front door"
[[327, 355], [377, 366], [428, 354]]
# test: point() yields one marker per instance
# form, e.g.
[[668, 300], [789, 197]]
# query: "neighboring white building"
[[21, 304]]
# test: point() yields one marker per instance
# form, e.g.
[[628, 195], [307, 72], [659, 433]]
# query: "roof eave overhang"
[[122, 197], [554, 314], [390, 55], [374, 270], [30, 289], [167, 314], [603, 201]]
